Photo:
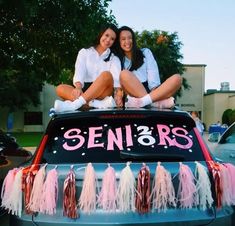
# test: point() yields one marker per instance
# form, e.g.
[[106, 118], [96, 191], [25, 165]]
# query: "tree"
[[166, 50], [39, 43]]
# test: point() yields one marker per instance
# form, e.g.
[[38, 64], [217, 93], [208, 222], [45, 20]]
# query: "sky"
[[205, 27]]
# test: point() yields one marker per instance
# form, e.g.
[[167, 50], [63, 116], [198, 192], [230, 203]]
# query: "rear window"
[[125, 137]]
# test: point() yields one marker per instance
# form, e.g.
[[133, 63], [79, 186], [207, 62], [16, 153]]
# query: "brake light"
[[107, 116], [204, 148]]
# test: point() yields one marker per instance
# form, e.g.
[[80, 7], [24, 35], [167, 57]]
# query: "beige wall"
[[215, 104], [192, 100]]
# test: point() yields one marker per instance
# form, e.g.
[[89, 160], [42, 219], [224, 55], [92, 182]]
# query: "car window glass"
[[105, 139]]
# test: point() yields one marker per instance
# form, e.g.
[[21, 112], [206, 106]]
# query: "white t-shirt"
[[89, 65], [148, 71]]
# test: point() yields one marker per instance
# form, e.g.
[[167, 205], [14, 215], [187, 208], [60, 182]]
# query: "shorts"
[[145, 84], [86, 86]]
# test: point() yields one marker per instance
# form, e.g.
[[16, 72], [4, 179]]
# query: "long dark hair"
[[113, 48], [137, 56]]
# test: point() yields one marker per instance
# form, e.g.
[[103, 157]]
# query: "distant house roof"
[[213, 91]]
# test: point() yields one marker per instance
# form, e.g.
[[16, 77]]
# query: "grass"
[[28, 139]]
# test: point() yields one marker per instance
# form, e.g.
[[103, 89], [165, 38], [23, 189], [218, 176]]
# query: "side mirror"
[[214, 137]]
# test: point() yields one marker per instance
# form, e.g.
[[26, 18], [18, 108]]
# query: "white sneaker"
[[166, 103], [63, 106], [107, 102]]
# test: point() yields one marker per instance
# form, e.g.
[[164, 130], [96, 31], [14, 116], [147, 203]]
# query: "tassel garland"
[[120, 194]]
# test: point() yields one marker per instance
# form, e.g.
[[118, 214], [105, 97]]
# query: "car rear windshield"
[[108, 138]]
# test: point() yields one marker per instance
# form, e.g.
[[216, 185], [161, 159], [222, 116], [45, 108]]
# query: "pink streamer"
[[108, 193], [35, 197], [163, 192], [231, 171], [49, 193], [7, 185], [187, 192]]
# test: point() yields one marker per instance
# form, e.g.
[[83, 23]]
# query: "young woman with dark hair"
[[140, 77], [97, 72]]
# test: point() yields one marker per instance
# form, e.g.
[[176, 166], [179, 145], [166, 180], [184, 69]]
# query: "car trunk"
[[142, 138]]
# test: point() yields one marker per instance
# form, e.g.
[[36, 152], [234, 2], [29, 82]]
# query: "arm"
[[80, 69], [152, 70]]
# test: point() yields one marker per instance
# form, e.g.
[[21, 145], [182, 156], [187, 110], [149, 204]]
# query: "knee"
[[124, 76], [177, 79], [59, 89], [107, 77]]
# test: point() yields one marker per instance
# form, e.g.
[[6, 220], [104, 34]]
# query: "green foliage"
[[39, 43], [166, 50], [228, 116]]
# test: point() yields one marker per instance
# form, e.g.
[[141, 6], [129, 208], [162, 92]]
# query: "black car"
[[11, 155]]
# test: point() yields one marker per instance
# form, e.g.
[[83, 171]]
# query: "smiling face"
[[126, 41], [107, 39]]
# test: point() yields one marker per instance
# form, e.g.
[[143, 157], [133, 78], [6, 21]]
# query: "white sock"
[[79, 102], [146, 100]]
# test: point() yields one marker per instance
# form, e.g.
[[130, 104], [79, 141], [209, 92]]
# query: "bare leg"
[[167, 88], [131, 84], [65, 92], [100, 88]]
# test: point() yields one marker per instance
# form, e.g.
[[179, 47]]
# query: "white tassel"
[[203, 185], [14, 201], [87, 200], [163, 192], [126, 190]]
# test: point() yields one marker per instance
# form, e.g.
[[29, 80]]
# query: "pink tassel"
[[14, 201], [69, 196], [203, 185], [142, 202], [35, 197], [231, 170], [226, 186], [87, 200], [163, 193], [7, 186], [126, 190], [49, 193], [108, 193], [187, 193]]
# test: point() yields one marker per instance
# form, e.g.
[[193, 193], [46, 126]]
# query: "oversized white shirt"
[[89, 65], [148, 72]]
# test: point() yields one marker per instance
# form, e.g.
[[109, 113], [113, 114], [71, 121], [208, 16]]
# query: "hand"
[[76, 92], [118, 97]]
